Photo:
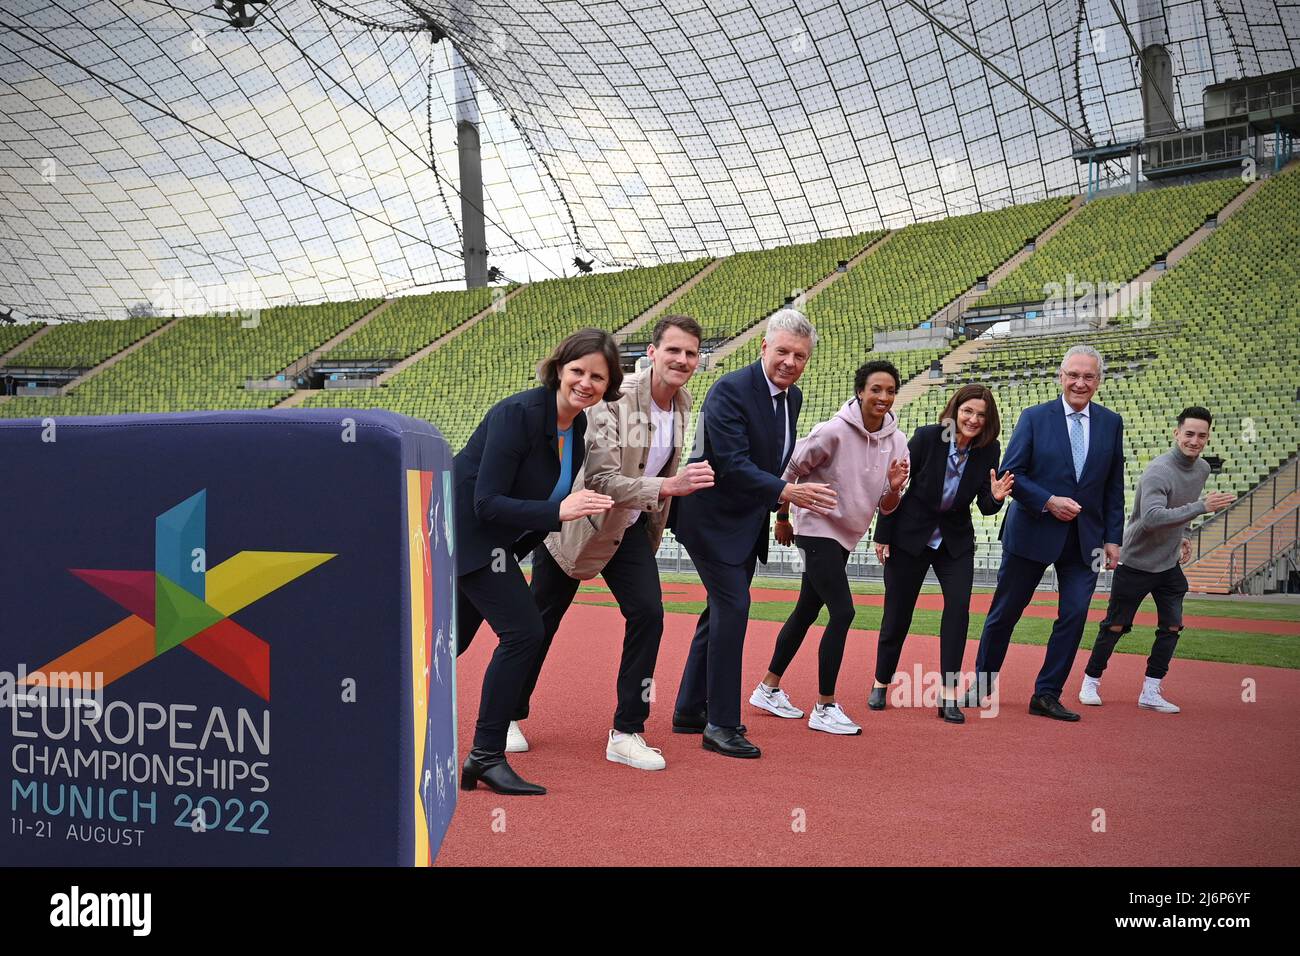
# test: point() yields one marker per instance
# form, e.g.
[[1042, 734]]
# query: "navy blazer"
[[505, 475], [737, 435], [1039, 456], [909, 527]]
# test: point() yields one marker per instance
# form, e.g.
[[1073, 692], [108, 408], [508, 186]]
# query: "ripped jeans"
[[1129, 587]]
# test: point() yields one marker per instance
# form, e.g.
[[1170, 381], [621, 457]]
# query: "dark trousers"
[[1129, 587], [633, 579], [1017, 579], [711, 677], [904, 575], [501, 598], [824, 584]]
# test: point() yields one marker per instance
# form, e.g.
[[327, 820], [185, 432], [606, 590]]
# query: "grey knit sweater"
[[1168, 498]]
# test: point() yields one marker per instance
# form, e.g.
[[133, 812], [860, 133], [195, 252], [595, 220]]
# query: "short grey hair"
[[1089, 351], [792, 321]]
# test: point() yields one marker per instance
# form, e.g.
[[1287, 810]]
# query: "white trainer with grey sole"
[[831, 719], [774, 701]]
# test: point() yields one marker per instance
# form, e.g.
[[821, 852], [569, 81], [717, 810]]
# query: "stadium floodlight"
[[584, 265], [241, 14], [436, 32]]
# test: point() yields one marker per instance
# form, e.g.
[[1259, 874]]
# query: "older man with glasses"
[[1067, 511]]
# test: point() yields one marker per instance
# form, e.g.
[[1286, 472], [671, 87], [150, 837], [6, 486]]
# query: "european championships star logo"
[[182, 603]]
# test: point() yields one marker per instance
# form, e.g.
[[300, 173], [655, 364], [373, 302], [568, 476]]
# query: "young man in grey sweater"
[[1156, 542]]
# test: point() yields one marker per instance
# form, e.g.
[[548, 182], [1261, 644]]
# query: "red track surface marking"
[[1212, 786]]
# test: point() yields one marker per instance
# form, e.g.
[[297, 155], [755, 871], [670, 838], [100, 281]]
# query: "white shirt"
[[1086, 422], [661, 447], [786, 418]]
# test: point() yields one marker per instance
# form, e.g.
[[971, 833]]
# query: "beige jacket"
[[618, 445]]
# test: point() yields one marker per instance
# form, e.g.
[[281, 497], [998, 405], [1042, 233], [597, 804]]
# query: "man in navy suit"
[[747, 431], [1067, 511]]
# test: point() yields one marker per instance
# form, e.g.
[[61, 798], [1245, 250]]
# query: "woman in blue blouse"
[[513, 481]]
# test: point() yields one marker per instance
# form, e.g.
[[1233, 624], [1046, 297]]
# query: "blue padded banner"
[[265, 601]]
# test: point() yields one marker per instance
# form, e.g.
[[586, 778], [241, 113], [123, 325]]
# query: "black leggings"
[[825, 584]]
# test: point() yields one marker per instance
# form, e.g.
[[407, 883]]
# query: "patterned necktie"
[[1076, 443]]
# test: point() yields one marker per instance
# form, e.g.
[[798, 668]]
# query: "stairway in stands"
[[1210, 571]]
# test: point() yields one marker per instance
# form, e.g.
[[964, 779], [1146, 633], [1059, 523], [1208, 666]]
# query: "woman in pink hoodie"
[[862, 455]]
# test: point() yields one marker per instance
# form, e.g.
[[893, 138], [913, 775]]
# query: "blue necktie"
[[1076, 443]]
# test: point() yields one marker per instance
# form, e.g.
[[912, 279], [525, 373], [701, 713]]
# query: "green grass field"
[[1224, 646], [1282, 610]]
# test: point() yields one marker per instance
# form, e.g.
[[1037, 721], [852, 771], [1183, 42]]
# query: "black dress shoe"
[[492, 769], [974, 699], [950, 711], [730, 742], [693, 723], [1049, 705], [877, 699], [689, 723]]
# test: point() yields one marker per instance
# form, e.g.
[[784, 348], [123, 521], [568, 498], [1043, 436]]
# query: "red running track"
[[1212, 786]]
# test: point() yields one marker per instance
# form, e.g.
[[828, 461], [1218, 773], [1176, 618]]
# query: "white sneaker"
[[832, 719], [516, 743], [1151, 699], [1088, 692], [774, 701], [632, 750]]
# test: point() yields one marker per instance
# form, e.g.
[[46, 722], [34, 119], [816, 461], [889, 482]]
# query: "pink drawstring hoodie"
[[841, 452]]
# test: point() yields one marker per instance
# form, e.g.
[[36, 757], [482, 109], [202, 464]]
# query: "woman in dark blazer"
[[513, 481], [953, 464]]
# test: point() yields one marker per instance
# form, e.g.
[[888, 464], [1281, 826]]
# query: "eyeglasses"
[[1088, 377]]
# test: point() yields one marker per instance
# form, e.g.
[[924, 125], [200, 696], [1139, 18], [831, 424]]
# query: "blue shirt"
[[565, 448], [951, 479]]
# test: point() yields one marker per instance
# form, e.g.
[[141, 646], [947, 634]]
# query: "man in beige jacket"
[[633, 449]]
